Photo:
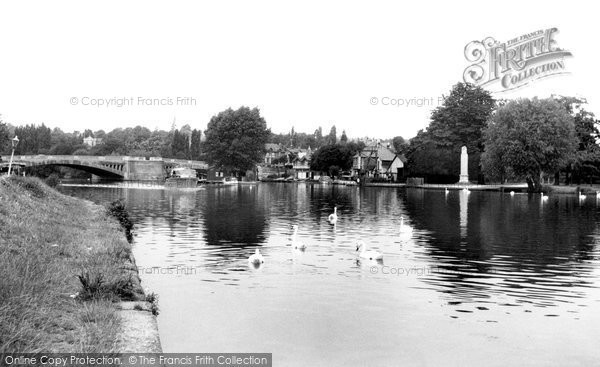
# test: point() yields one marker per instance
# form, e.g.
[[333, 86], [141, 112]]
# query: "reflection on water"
[[459, 276]]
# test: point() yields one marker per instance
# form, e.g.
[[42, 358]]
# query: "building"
[[91, 141], [273, 152], [301, 164], [378, 161]]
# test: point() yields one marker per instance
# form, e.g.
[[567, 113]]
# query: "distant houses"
[[375, 161], [274, 152], [378, 161], [281, 162], [91, 141]]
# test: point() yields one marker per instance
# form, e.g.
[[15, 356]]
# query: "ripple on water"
[[482, 259]]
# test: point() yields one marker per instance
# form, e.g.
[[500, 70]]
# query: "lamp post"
[[15, 142]]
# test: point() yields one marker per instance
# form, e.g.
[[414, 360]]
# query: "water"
[[483, 279]]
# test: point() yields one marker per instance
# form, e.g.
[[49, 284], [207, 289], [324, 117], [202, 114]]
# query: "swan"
[[256, 258], [544, 197], [467, 190], [297, 245], [512, 193], [368, 254], [581, 196], [333, 216], [403, 228], [446, 191]]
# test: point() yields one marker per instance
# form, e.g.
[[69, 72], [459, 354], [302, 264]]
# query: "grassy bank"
[[572, 190], [64, 265]]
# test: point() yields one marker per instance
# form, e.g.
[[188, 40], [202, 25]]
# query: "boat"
[[230, 181], [181, 178]]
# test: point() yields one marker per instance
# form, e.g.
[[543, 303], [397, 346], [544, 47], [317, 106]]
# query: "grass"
[[64, 263]]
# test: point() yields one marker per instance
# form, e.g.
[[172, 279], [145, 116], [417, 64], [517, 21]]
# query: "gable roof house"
[[301, 164], [273, 152], [378, 160]]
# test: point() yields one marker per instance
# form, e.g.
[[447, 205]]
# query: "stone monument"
[[464, 166]]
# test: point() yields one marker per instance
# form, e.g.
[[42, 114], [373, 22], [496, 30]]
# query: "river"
[[479, 278]]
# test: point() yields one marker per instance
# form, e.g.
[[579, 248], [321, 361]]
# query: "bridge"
[[113, 167]]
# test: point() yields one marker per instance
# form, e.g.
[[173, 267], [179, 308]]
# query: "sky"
[[303, 64]]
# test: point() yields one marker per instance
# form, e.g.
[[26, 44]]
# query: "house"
[[273, 152], [301, 164], [91, 141], [378, 160]]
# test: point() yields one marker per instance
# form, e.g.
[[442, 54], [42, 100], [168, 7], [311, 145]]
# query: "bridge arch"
[[104, 170]]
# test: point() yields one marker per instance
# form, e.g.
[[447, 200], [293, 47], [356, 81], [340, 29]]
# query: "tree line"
[[519, 140], [183, 143]]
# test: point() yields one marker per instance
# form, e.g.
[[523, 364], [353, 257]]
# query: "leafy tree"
[[400, 145], [319, 137], [195, 145], [333, 157], [332, 137], [180, 147], [459, 121], [344, 137], [4, 137], [33, 139], [529, 138], [235, 140], [585, 163]]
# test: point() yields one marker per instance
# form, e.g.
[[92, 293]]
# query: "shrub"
[[118, 210], [152, 298], [92, 285], [31, 184], [52, 180]]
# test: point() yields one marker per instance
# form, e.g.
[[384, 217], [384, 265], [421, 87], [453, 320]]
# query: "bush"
[[95, 286], [118, 210], [152, 298], [52, 180], [31, 184], [91, 285]]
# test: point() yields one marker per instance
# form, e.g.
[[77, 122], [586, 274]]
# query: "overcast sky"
[[304, 64]]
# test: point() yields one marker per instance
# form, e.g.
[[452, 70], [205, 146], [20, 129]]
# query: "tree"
[[400, 145], [529, 138], [332, 158], [318, 137], [459, 121], [586, 161], [195, 145], [332, 137], [235, 140], [4, 137], [33, 139], [344, 137]]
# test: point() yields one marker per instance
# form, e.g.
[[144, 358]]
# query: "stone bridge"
[[114, 167]]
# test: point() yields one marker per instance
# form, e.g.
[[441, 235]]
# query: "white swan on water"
[[367, 254], [404, 228], [581, 196], [296, 244], [512, 193], [256, 258], [544, 197], [333, 216], [446, 191]]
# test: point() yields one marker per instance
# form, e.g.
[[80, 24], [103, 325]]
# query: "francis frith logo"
[[515, 63]]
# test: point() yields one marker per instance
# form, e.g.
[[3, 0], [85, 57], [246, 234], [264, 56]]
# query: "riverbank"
[[67, 277]]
